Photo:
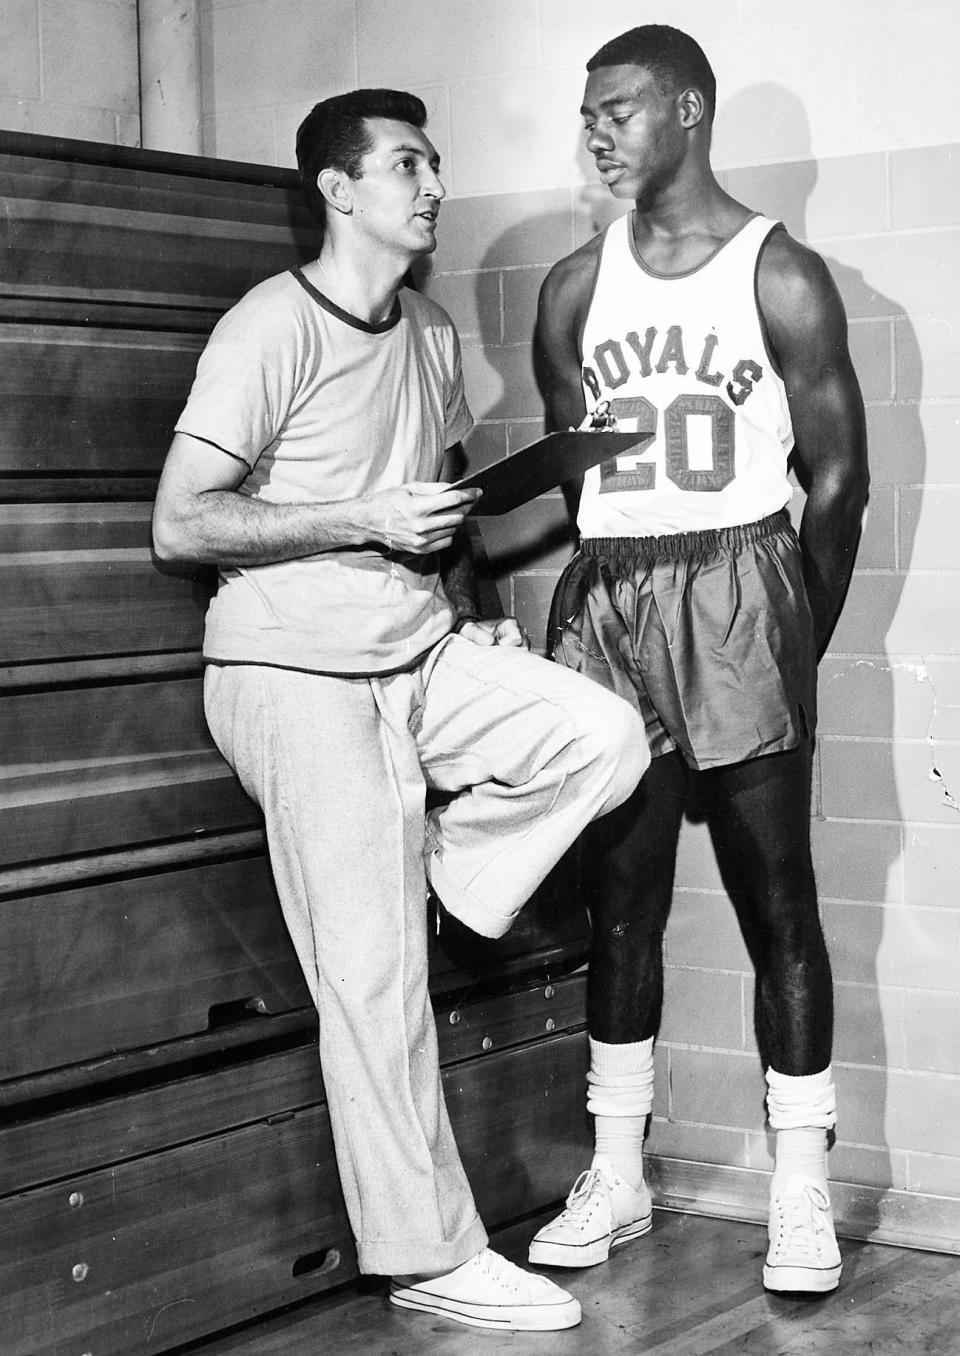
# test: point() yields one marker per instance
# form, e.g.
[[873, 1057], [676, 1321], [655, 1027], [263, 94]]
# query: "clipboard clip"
[[602, 420]]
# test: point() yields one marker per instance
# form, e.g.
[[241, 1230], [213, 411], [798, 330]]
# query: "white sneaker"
[[490, 1292], [602, 1212], [803, 1256]]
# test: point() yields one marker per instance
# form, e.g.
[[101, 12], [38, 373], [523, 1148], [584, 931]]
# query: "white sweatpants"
[[340, 767]]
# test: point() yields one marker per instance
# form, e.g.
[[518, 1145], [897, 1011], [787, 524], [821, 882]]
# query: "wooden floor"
[[690, 1288]]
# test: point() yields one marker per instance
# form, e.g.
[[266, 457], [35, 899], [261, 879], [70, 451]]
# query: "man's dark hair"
[[674, 60], [334, 135]]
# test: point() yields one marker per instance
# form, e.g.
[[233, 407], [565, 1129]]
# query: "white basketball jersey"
[[688, 352]]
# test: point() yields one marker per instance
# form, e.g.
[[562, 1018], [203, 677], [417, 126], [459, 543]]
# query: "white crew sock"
[[800, 1152], [620, 1098], [801, 1110]]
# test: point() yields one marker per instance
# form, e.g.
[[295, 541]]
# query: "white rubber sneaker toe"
[[488, 1291]]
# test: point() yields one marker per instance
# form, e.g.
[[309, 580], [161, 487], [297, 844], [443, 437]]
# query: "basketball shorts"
[[707, 634]]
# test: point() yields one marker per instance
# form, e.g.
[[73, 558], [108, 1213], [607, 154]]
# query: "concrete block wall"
[[830, 119], [833, 117], [69, 68], [886, 831]]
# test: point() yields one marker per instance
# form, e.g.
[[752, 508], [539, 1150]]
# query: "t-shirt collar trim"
[[368, 327]]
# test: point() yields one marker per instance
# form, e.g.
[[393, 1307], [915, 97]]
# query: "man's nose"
[[598, 140], [433, 186]]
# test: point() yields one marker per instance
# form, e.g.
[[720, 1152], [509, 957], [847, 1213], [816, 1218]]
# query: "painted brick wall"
[[829, 118], [69, 68], [886, 825], [833, 116]]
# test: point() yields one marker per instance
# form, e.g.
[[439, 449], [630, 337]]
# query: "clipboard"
[[545, 464]]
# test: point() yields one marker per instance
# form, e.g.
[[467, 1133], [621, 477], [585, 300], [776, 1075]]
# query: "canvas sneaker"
[[602, 1211], [803, 1256], [490, 1292]]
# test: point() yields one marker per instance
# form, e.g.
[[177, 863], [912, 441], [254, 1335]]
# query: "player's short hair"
[[673, 58], [335, 135]]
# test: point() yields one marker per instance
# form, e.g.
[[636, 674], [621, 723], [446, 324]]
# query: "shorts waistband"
[[681, 545]]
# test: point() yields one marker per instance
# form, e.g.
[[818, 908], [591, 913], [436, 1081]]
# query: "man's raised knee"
[[626, 747]]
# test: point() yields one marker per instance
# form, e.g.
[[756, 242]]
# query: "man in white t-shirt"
[[347, 672]]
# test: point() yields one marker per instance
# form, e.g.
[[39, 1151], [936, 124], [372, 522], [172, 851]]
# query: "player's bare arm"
[[561, 311], [459, 577], [200, 516], [808, 330], [457, 570]]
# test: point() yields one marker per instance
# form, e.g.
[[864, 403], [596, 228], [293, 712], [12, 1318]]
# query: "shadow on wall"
[[522, 551], [854, 863], [539, 536], [538, 540]]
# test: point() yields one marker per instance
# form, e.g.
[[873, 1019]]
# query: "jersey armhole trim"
[[761, 318]]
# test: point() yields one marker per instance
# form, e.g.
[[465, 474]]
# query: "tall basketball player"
[[693, 597]]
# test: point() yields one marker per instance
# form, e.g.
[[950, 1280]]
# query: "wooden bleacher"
[[165, 1160]]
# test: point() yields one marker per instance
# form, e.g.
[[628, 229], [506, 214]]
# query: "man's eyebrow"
[[419, 152], [623, 97]]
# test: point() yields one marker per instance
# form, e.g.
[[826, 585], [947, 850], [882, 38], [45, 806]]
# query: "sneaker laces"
[[801, 1225], [585, 1193], [510, 1278]]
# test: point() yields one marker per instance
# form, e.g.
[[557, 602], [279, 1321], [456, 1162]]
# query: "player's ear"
[[336, 187], [692, 107]]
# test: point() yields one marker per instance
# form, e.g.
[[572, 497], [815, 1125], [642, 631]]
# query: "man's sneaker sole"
[[547, 1254], [801, 1280], [506, 1317]]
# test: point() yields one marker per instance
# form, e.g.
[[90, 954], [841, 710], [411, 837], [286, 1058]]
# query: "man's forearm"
[[225, 528], [829, 535], [459, 577], [220, 526]]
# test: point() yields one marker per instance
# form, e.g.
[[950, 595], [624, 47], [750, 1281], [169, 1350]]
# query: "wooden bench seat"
[[217, 1198]]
